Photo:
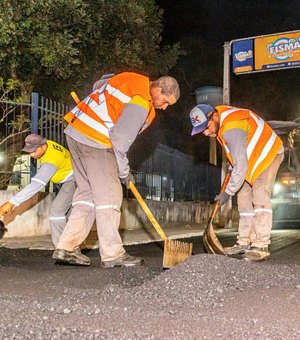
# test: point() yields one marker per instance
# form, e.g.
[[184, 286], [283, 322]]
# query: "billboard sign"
[[242, 56], [265, 53], [277, 51]]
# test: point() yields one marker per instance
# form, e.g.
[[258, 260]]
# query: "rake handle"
[[147, 211], [217, 205]]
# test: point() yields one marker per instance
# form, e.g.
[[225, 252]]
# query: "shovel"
[[210, 241], [175, 252], [2, 228]]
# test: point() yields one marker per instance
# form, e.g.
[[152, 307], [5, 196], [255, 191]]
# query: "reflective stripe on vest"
[[99, 112], [262, 143], [100, 109], [226, 113]]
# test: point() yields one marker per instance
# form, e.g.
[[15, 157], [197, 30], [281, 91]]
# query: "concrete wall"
[[31, 218], [133, 217]]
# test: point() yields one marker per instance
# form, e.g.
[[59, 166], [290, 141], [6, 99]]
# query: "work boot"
[[71, 257], [257, 254], [237, 249], [125, 260]]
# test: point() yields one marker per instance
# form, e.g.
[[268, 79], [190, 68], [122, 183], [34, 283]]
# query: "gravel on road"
[[206, 297]]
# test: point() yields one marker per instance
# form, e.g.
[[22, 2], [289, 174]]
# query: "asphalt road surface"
[[206, 297]]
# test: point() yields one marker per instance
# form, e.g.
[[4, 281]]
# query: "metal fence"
[[15, 125], [42, 116], [47, 118], [161, 174], [169, 175]]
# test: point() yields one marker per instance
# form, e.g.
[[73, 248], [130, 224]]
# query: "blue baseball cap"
[[199, 117]]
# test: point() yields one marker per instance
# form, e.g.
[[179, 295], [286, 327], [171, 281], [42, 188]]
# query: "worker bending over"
[[255, 153], [101, 129], [55, 167]]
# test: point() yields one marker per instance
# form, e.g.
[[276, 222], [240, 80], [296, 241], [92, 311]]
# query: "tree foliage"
[[12, 121], [55, 44]]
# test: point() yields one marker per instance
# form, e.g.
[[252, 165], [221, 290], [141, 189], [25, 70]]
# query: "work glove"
[[6, 208], [222, 198], [126, 180], [2, 228]]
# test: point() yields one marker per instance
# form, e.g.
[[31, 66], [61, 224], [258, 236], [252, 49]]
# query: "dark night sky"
[[202, 27], [224, 20]]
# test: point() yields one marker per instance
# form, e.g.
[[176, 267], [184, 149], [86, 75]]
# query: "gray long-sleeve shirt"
[[122, 135], [237, 144], [38, 182]]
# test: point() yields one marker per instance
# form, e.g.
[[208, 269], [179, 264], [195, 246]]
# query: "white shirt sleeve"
[[38, 182]]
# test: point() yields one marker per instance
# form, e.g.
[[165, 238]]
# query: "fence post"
[[34, 112], [34, 126]]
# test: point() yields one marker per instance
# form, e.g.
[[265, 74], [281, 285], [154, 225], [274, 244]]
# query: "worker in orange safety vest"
[[255, 153], [101, 129]]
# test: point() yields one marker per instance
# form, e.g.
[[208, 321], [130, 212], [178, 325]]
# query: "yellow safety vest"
[[61, 158]]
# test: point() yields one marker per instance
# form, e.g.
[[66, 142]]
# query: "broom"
[[210, 241], [175, 251]]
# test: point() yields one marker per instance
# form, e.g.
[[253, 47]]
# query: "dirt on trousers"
[[206, 297]]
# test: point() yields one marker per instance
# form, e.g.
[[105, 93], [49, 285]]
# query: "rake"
[[175, 251], [210, 241]]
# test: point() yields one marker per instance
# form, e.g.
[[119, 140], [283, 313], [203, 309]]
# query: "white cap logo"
[[197, 117]]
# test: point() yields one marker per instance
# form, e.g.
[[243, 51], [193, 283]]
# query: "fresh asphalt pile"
[[206, 297]]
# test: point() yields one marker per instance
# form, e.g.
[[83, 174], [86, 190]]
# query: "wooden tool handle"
[[217, 205], [75, 97], [147, 211]]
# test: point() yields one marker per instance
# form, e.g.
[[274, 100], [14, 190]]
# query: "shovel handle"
[[147, 211], [217, 205]]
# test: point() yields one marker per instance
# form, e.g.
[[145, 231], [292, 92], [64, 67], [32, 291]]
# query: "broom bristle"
[[176, 252]]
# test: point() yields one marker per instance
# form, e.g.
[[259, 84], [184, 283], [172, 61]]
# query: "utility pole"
[[226, 209]]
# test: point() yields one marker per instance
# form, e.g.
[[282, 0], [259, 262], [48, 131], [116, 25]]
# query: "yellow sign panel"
[[276, 51]]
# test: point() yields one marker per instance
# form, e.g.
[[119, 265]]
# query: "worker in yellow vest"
[[56, 167], [255, 153], [101, 129]]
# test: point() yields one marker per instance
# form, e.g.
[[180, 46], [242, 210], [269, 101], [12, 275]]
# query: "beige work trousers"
[[98, 195], [59, 209], [255, 208]]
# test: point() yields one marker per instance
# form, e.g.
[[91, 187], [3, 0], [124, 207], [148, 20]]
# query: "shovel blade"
[[210, 241], [176, 252]]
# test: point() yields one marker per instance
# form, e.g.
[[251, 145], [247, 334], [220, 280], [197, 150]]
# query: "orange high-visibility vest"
[[262, 142], [100, 110]]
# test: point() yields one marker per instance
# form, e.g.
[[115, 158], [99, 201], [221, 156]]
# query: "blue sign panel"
[[242, 56]]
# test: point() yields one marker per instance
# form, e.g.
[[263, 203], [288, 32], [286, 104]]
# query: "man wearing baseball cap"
[[255, 153], [55, 167]]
